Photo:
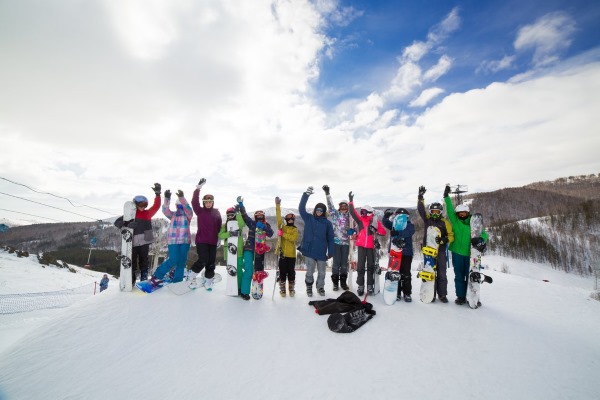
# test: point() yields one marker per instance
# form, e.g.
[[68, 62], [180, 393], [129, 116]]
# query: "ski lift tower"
[[457, 191]]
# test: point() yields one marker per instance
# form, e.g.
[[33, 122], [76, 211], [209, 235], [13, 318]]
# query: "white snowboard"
[[125, 276], [427, 292], [232, 257]]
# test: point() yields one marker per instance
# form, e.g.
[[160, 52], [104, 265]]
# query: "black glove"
[[479, 244], [179, 193], [167, 194], [350, 197], [236, 208], [441, 240], [387, 213], [422, 191], [326, 189], [201, 183], [399, 242], [446, 191], [156, 189]]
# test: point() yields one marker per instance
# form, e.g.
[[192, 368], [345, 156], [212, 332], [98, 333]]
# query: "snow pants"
[[340, 259], [177, 258], [139, 259], [461, 273], [207, 253], [441, 279], [250, 259], [366, 257], [287, 269], [405, 284], [320, 266]]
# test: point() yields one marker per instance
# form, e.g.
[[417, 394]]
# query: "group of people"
[[325, 236]]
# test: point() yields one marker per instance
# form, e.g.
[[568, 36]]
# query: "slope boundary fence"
[[25, 302]]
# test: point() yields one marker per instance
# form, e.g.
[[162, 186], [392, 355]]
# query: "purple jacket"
[[209, 221]]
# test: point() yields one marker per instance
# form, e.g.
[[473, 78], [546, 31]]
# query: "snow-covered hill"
[[531, 340]]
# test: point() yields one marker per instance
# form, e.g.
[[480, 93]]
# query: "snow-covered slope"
[[530, 340]]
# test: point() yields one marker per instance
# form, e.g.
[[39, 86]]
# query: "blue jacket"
[[318, 237], [407, 234]]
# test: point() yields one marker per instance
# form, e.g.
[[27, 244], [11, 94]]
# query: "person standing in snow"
[[255, 246], [143, 235], [401, 233], [317, 243], [460, 218], [287, 249], [207, 236], [233, 214], [434, 218], [367, 227], [178, 238], [340, 220], [104, 283]]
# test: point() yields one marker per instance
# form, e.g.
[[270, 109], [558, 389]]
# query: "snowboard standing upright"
[[125, 277], [352, 256], [232, 251], [428, 269], [258, 277], [392, 276], [377, 269], [476, 278]]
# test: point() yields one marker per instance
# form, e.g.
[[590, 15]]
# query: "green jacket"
[[462, 231], [224, 235]]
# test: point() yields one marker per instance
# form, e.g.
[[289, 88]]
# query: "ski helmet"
[[208, 197], [342, 203], [259, 214], [365, 210], [462, 208], [433, 207], [140, 201], [230, 213], [401, 211], [289, 216]]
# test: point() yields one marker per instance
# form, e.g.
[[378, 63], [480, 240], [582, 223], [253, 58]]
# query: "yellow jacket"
[[289, 237]]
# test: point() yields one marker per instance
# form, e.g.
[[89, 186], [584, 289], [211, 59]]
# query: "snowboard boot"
[[370, 289], [155, 282], [291, 288], [443, 299], [335, 279], [309, 292], [407, 298], [208, 283], [192, 282], [321, 291], [361, 290], [282, 288], [460, 301], [399, 297], [343, 283], [245, 296]]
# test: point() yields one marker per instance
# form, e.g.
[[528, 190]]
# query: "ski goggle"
[[319, 210], [365, 212], [259, 215], [290, 217], [209, 198], [435, 211]]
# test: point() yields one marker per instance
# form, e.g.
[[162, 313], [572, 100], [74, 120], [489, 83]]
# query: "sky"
[[100, 99], [531, 339]]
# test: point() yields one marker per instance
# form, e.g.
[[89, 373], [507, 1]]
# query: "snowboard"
[[182, 287], [125, 277], [256, 290], [427, 269], [232, 258], [147, 286], [392, 276], [475, 278], [377, 270]]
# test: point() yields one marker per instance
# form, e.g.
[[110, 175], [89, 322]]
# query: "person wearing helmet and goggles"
[[433, 217], [401, 233], [460, 218], [288, 235], [143, 234], [207, 236]]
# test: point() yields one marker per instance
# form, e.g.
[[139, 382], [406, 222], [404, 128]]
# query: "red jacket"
[[365, 238]]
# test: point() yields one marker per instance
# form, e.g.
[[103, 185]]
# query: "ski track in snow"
[[530, 340]]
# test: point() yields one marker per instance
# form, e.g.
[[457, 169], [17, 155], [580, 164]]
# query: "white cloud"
[[496, 65], [547, 37], [434, 73], [426, 96]]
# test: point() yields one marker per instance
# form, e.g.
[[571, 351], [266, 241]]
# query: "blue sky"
[[100, 99]]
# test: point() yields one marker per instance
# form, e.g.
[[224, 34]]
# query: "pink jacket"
[[365, 238]]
